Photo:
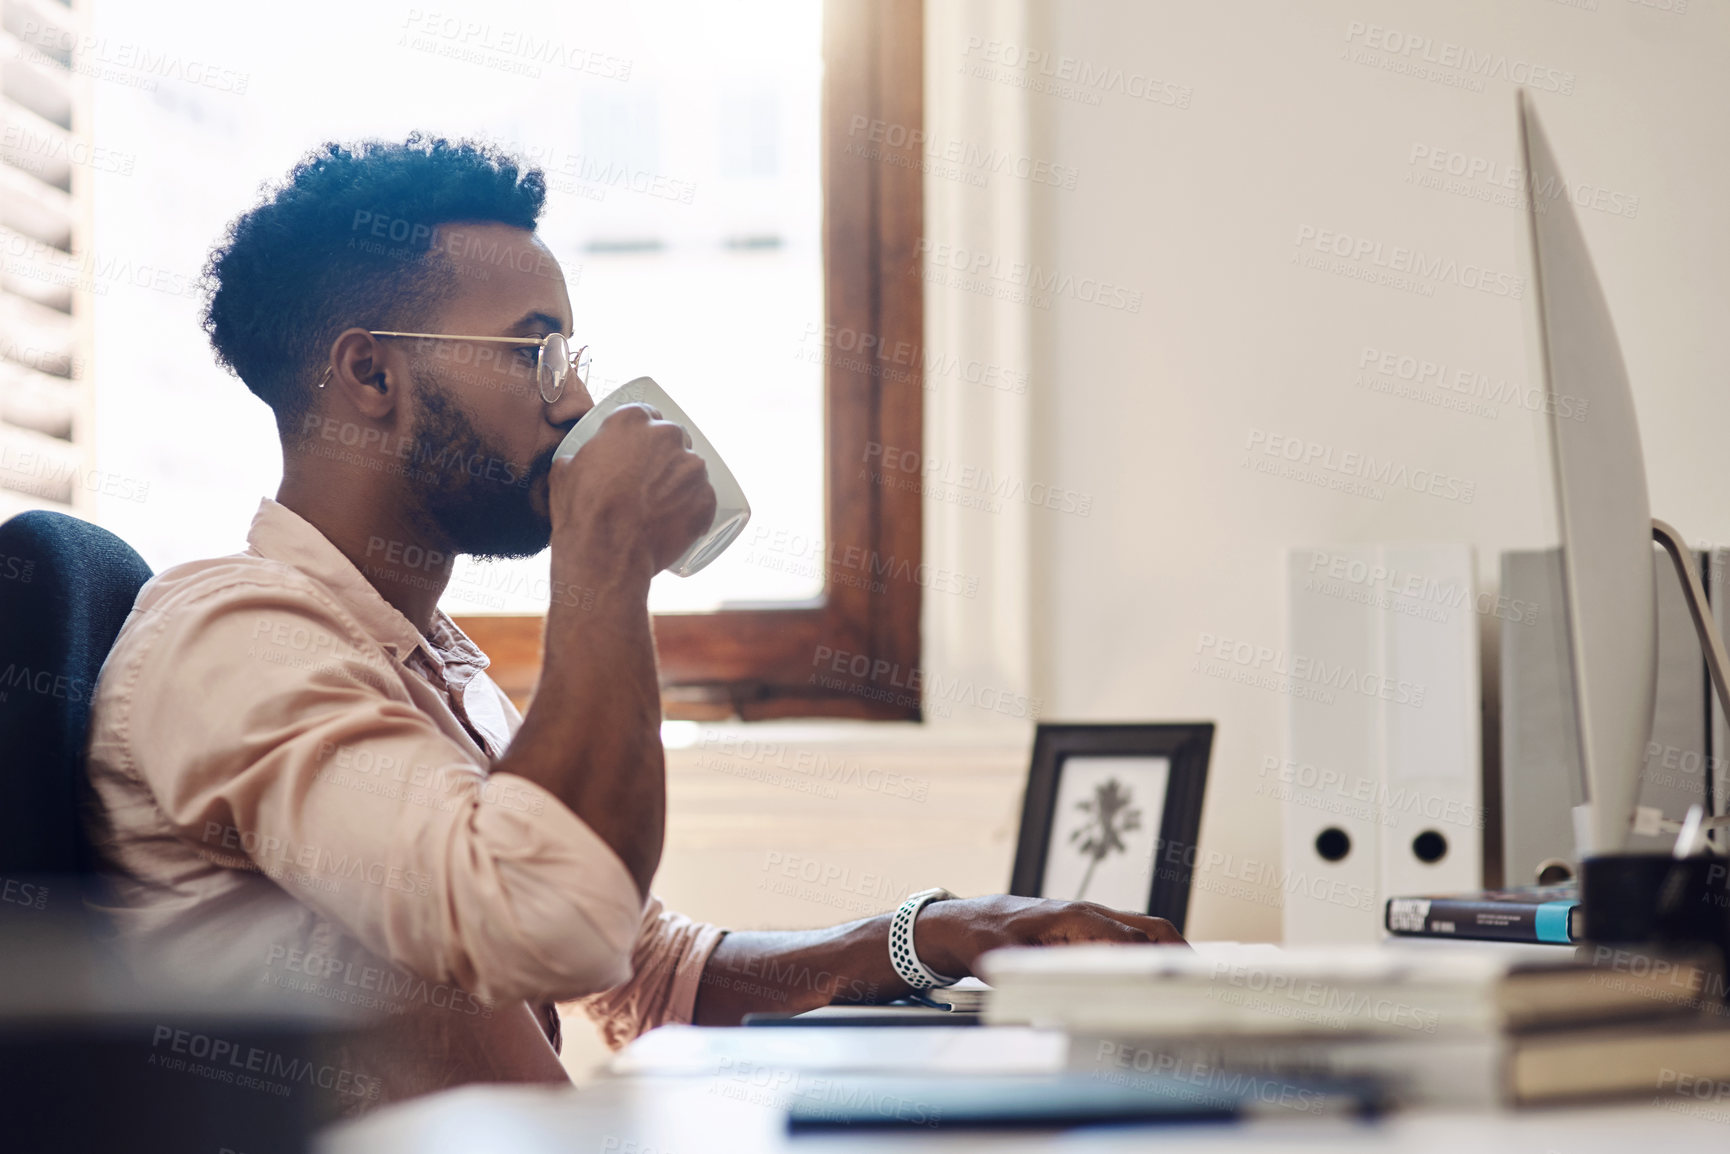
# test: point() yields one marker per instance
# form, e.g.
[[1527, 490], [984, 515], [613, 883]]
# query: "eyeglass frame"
[[574, 361]]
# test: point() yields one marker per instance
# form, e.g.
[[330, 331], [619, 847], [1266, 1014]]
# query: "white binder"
[[1381, 782], [1433, 831], [1333, 749]]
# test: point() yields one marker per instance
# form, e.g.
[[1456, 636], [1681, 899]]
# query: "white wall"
[[1198, 209]]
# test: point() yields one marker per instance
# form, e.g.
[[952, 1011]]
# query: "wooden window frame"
[[854, 651]]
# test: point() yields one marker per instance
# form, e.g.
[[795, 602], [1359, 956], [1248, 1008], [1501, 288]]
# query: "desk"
[[706, 1113], [691, 1090]]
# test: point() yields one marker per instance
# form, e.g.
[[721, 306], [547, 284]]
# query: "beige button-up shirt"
[[295, 791]]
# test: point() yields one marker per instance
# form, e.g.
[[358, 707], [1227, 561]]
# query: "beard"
[[473, 495]]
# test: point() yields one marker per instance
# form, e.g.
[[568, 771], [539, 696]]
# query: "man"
[[306, 779]]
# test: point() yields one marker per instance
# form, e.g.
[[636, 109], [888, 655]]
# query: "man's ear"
[[362, 372]]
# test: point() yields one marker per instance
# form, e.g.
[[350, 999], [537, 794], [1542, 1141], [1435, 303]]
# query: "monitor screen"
[[1602, 507]]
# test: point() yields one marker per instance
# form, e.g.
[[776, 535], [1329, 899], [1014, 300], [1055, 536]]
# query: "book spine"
[[1466, 1071], [1490, 921]]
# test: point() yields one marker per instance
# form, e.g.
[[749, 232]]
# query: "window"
[[853, 649], [45, 438]]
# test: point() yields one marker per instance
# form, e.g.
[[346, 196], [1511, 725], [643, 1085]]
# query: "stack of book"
[[1441, 1027]]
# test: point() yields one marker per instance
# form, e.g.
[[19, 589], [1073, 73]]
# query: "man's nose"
[[573, 402]]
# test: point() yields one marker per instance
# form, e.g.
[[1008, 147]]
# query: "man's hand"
[[636, 492], [950, 935]]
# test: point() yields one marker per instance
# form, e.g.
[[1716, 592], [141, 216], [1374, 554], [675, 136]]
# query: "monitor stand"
[[1681, 899]]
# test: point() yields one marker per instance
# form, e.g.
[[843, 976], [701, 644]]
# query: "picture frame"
[[1112, 813]]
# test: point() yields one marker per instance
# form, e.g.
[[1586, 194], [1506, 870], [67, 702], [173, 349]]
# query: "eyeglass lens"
[[555, 362], [555, 366]]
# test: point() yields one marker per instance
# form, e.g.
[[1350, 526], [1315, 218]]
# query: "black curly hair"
[[313, 258]]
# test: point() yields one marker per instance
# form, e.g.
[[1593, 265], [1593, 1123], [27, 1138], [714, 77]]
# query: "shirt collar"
[[281, 534]]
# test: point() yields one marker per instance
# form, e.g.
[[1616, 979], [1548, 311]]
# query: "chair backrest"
[[66, 587]]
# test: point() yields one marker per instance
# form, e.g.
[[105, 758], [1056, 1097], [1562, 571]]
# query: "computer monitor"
[[1602, 509]]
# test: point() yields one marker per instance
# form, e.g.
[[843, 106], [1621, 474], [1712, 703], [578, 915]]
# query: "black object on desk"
[[900, 1013], [1656, 901], [1057, 1100]]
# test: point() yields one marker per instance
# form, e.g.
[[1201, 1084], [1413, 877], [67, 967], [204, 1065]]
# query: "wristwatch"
[[902, 955]]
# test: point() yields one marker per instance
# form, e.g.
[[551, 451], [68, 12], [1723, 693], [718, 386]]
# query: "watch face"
[[936, 894]]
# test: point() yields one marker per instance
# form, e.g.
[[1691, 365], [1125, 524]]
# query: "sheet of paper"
[[700, 1050]]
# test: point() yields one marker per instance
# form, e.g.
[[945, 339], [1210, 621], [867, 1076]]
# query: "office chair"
[[66, 588]]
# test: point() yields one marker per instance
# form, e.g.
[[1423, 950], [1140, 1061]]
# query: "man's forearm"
[[592, 735], [795, 970], [800, 970]]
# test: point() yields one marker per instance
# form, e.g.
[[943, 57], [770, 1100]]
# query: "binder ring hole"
[[1333, 843], [1430, 846], [1554, 871]]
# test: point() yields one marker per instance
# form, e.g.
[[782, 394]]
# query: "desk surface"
[[685, 1090], [708, 1115]]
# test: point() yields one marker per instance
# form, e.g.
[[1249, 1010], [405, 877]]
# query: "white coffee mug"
[[732, 511]]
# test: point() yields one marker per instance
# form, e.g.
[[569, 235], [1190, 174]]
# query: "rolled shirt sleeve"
[[671, 953], [308, 758]]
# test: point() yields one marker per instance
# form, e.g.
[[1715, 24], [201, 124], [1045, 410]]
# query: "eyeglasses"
[[554, 359]]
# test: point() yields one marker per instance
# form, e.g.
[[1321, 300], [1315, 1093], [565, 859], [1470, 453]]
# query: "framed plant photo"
[[1111, 815]]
